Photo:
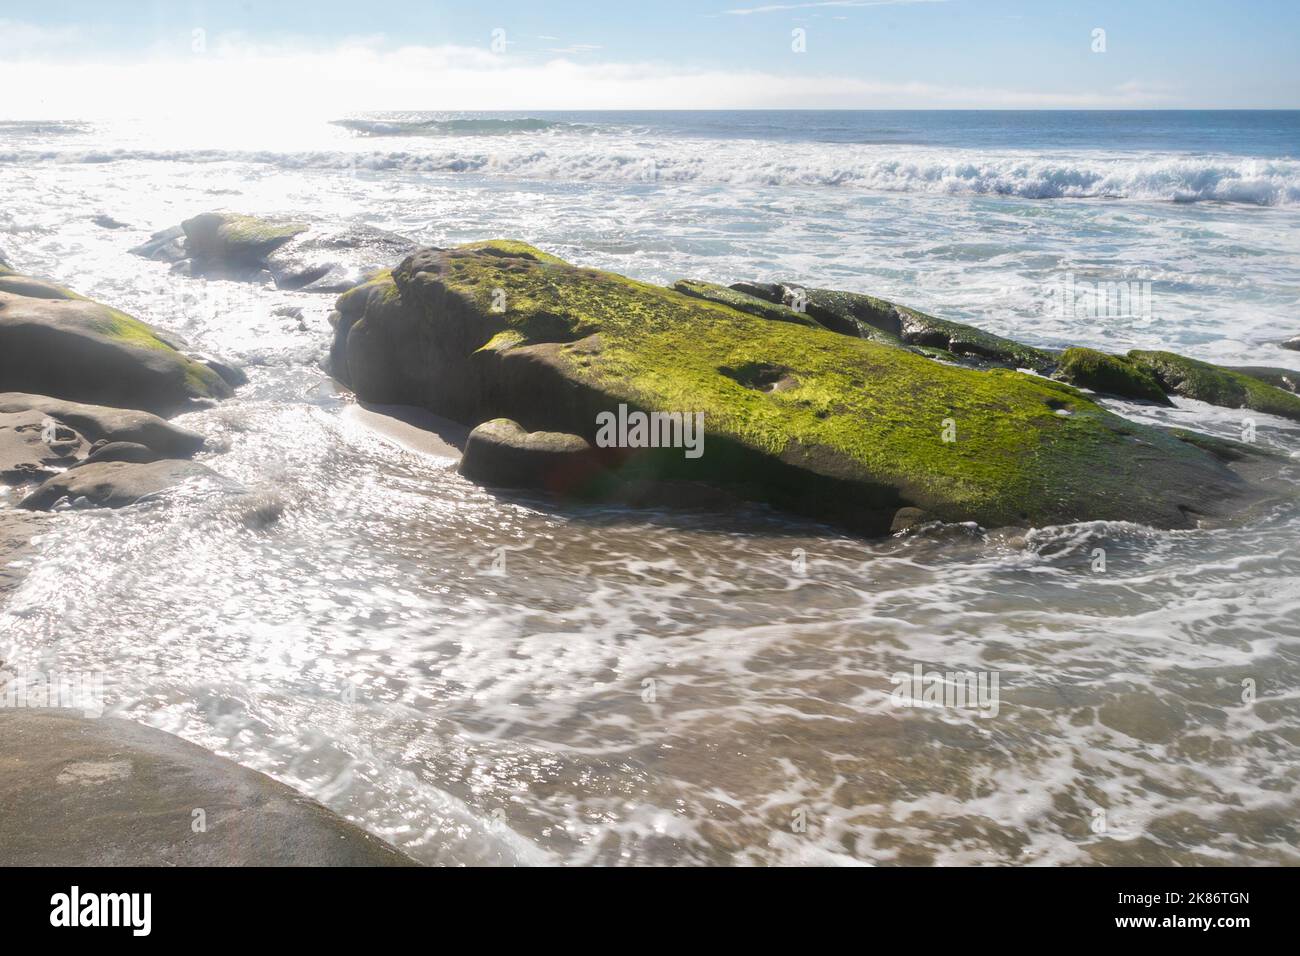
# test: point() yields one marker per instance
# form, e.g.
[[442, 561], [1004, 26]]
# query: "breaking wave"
[[449, 127], [874, 168]]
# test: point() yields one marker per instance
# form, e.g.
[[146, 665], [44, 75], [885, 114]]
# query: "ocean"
[[490, 679]]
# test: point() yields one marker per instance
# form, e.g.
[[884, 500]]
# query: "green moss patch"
[[743, 302], [1110, 375], [1204, 382]]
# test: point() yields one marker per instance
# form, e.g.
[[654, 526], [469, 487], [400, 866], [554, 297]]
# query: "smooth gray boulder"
[[120, 451], [116, 484], [501, 453], [102, 423], [34, 447], [1292, 343], [107, 792]]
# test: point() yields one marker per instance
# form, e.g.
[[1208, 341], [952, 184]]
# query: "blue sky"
[[670, 54]]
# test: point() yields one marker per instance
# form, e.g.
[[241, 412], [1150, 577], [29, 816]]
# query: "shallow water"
[[483, 678]]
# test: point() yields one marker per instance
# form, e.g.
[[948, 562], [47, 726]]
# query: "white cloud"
[[235, 78]]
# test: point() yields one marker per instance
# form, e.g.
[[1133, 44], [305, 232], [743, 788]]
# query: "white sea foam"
[[878, 168]]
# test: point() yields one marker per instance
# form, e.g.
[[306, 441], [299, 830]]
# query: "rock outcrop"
[[833, 425], [103, 424], [73, 348], [82, 382], [109, 792], [294, 255]]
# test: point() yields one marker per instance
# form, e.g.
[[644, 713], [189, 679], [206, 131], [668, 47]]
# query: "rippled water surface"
[[485, 678]]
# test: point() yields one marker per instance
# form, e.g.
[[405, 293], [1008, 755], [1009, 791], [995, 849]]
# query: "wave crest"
[[881, 169]]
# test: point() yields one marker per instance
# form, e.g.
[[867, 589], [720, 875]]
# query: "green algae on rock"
[[865, 316], [1110, 375], [744, 302], [1204, 382], [233, 238], [856, 429], [70, 347]]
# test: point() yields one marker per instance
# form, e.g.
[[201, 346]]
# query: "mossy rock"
[[1204, 382], [73, 348], [1287, 379], [868, 317], [235, 239], [35, 288], [848, 313], [744, 302], [833, 426], [1110, 375]]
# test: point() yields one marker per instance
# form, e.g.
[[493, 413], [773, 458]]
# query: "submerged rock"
[[1218, 386], [69, 347], [1110, 375], [109, 792], [837, 427], [503, 454], [117, 484], [296, 255], [1292, 343]]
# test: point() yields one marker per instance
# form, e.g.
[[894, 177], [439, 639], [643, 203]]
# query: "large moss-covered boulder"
[[296, 255], [829, 425], [1110, 375], [73, 348], [1204, 382]]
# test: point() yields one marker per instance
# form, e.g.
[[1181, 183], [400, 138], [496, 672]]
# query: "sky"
[[86, 58]]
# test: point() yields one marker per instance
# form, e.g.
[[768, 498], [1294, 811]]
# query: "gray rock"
[[165, 246], [99, 423], [108, 222], [34, 447], [35, 288], [109, 792], [295, 255], [116, 484], [905, 518], [1292, 343], [121, 451], [84, 351], [501, 453]]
